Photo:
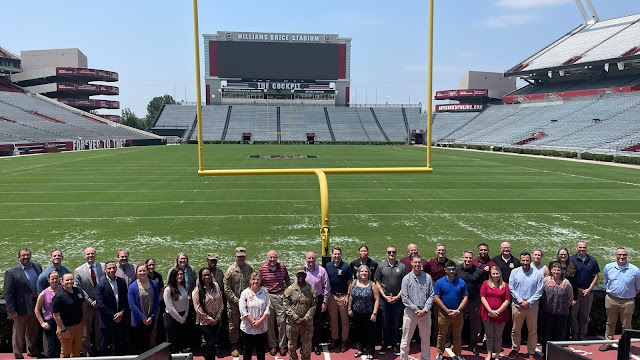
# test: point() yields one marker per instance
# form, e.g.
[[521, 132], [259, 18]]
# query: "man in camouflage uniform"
[[300, 301], [236, 279]]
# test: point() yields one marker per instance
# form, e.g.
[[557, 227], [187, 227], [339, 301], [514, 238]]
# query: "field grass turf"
[[151, 201]]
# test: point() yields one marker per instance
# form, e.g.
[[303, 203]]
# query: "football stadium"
[[543, 164]]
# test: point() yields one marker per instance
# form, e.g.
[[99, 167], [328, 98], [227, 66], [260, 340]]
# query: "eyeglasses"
[[391, 252], [451, 269], [563, 254]]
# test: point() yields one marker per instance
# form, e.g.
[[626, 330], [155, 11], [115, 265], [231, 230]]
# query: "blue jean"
[[391, 316], [53, 344]]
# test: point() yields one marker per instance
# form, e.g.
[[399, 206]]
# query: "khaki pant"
[[446, 323], [616, 306], [70, 347], [519, 316], [91, 317], [277, 317], [306, 334], [409, 322], [26, 327], [234, 322], [336, 306]]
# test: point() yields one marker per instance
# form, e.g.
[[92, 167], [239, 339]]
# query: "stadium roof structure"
[[7, 54], [610, 41]]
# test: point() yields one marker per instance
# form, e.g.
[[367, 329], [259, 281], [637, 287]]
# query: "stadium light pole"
[[430, 84]]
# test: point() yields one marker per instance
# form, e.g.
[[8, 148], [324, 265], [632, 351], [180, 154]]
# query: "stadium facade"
[[64, 75], [277, 68]]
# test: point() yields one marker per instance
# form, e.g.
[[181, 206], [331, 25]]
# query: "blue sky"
[[150, 43]]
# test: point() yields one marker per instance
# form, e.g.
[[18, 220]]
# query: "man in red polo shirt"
[[275, 279], [412, 249], [435, 268], [483, 261]]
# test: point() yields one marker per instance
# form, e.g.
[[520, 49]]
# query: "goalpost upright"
[[325, 230]]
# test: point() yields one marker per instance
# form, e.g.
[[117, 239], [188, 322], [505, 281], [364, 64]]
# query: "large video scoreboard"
[[255, 67]]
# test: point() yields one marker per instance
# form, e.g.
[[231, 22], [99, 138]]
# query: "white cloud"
[[507, 20], [528, 4]]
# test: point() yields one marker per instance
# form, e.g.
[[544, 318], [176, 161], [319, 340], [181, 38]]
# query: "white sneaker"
[[439, 357]]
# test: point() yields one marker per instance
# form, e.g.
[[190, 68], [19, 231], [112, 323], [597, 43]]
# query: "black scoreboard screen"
[[270, 60]]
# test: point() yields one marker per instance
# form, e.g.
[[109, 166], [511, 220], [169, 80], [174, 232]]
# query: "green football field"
[[151, 201]]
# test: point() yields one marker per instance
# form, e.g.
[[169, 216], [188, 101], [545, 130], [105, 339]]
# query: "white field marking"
[[559, 172], [266, 189], [129, 218], [451, 354], [37, 166], [325, 352], [285, 200]]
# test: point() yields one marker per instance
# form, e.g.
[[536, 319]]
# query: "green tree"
[[154, 108], [129, 118]]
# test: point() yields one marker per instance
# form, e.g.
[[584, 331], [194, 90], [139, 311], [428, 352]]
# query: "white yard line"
[[420, 190], [563, 173], [128, 218], [285, 200]]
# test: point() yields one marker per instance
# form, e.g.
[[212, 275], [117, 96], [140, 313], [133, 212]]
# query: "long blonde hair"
[[490, 282]]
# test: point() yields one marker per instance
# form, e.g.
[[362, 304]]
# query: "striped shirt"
[[213, 305], [273, 280]]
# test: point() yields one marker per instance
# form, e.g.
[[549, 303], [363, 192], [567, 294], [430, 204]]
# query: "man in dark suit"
[[86, 277], [112, 303], [20, 293]]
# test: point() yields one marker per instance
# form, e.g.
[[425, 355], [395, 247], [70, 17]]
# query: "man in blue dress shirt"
[[623, 284]]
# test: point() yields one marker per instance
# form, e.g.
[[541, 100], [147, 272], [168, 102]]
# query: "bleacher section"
[[392, 123], [573, 85], [348, 124], [607, 122], [586, 44], [445, 123], [36, 120]]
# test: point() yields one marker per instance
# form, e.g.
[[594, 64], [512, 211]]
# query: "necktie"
[[93, 276]]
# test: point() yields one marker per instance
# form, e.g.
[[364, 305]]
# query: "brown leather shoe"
[[513, 354], [283, 351], [531, 357], [273, 352], [344, 347], [605, 347]]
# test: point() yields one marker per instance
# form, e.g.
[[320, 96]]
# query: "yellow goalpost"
[[325, 230]]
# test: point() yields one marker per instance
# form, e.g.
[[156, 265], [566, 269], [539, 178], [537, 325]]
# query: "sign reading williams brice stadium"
[[278, 37]]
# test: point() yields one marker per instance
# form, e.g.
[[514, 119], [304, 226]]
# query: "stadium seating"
[[587, 43], [446, 123], [348, 124], [607, 122], [37, 120], [392, 122]]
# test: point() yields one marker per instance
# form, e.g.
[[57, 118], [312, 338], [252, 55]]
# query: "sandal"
[[370, 357], [358, 354]]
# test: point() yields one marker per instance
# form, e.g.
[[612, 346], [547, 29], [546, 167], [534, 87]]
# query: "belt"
[[618, 298]]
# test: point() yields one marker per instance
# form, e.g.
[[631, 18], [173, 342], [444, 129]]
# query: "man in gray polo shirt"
[[389, 276]]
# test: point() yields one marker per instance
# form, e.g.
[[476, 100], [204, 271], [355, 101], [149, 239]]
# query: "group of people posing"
[[114, 307]]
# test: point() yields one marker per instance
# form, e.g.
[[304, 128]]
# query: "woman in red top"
[[495, 297]]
